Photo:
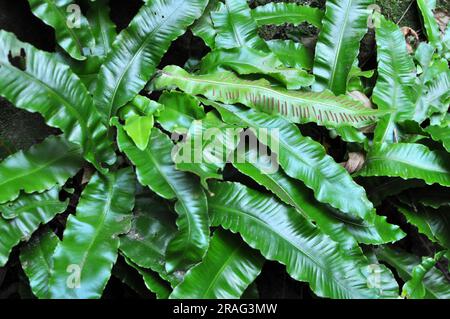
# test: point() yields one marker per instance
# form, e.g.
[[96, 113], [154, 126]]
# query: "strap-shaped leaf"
[[204, 27], [180, 110], [39, 168], [152, 281], [35, 81], [153, 227], [434, 96], [440, 134], [299, 107], [435, 283], [340, 228], [281, 234], [71, 27], [431, 25], [156, 169], [103, 29], [281, 13], [36, 261], [434, 223], [139, 48], [28, 221], [246, 60], [396, 78], [415, 288], [207, 147], [408, 161], [83, 260], [344, 25], [228, 268], [236, 27], [304, 159], [292, 54]]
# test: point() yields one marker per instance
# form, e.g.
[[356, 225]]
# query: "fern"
[[188, 169]]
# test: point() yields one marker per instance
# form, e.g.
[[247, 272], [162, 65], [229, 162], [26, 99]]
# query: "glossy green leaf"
[[228, 268], [152, 281], [83, 260], [71, 27], [304, 159], [281, 234], [434, 223], [281, 13], [396, 78], [440, 134], [207, 147], [103, 29], [245, 61], [434, 96], [292, 54], [408, 161], [342, 229], [236, 27], [430, 23], [204, 27], [179, 112], [39, 168], [28, 221], [36, 261], [41, 84], [139, 48], [156, 169], [415, 288], [344, 26], [435, 283], [152, 229], [299, 107], [138, 129]]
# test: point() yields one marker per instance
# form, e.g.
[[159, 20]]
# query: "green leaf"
[[236, 27], [292, 54], [281, 234], [434, 97], [152, 229], [71, 27], [103, 29], [204, 27], [245, 61], [180, 110], [396, 79], [344, 26], [408, 161], [340, 228], [46, 86], [281, 13], [27, 221], [435, 283], [228, 268], [304, 159], [38, 169], [138, 129], [207, 147], [431, 25], [415, 288], [156, 169], [440, 134], [152, 281], [434, 223], [139, 48], [299, 107], [83, 260], [36, 261]]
